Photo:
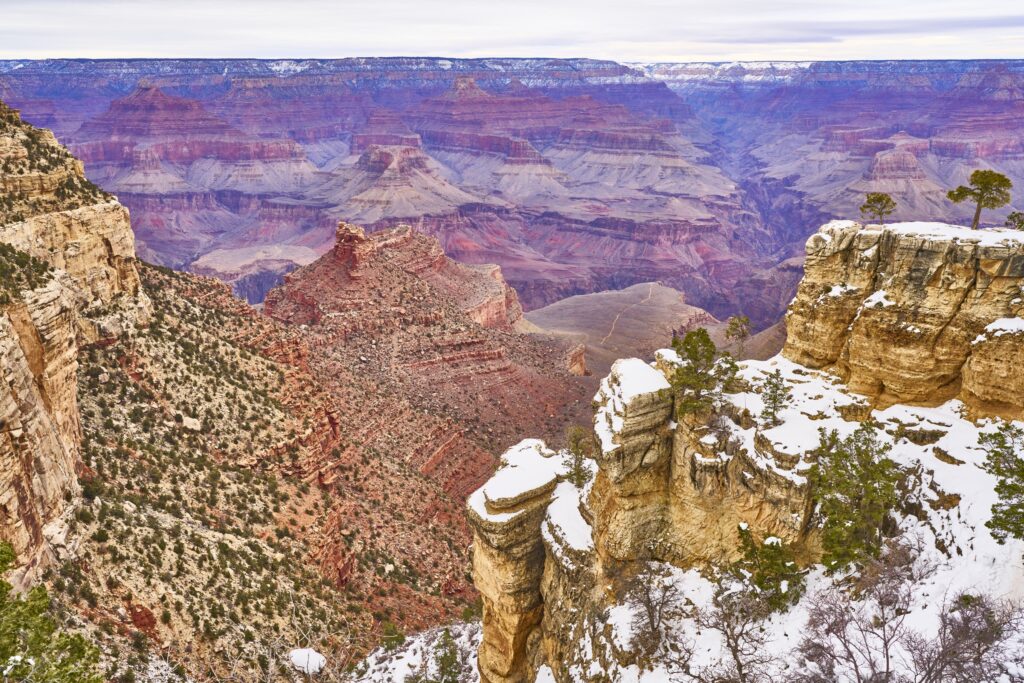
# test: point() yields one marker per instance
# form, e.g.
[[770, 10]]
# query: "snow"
[[415, 656], [972, 560], [635, 377], [630, 378], [565, 523], [527, 466], [1000, 327], [988, 237], [840, 290], [307, 661], [878, 298], [985, 237], [545, 675], [727, 72], [287, 67], [14, 661]]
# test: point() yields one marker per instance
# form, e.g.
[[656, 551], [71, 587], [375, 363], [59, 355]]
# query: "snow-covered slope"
[[939, 445]]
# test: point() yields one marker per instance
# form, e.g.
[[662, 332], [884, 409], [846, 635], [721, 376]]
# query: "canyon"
[[76, 247], [573, 175], [211, 485], [920, 309]]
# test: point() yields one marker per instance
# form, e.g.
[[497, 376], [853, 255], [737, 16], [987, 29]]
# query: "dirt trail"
[[650, 293]]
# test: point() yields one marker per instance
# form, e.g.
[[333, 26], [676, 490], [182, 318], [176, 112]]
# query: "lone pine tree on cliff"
[[990, 189], [776, 396], [878, 205], [738, 331], [701, 374]]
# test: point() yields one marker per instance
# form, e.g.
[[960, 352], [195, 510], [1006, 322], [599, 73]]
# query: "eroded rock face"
[[548, 555], [912, 312], [93, 244], [92, 290], [508, 556], [39, 426], [896, 311], [992, 374], [435, 330]]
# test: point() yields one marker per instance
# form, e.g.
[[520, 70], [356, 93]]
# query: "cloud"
[[611, 29]]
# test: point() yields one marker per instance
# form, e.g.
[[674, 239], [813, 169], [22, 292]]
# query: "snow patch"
[[307, 660], [998, 328]]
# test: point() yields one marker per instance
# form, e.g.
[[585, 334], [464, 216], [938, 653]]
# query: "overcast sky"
[[623, 30]]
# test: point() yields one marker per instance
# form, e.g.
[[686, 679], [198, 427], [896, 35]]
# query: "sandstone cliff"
[[911, 313], [39, 423], [548, 555], [914, 312], [68, 277]]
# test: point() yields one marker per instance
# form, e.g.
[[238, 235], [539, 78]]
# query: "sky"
[[621, 30]]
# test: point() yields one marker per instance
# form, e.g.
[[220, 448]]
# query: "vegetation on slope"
[[190, 560], [20, 272], [37, 174]]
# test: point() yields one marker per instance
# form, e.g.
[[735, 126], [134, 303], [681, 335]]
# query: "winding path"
[[650, 293]]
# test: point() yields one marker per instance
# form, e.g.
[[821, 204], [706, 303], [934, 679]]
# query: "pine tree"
[[776, 396], [877, 205], [855, 484], [989, 189], [447, 659], [582, 447], [699, 379], [1015, 220], [1005, 461], [32, 648], [738, 330], [770, 568]]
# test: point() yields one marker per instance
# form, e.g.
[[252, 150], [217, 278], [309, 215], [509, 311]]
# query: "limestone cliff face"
[[93, 244], [900, 312], [508, 558], [547, 554], [50, 213], [912, 312], [39, 424]]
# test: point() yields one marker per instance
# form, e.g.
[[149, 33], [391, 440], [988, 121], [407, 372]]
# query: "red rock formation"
[[393, 304]]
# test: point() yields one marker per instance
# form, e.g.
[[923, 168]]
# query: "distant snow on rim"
[[287, 67], [745, 72]]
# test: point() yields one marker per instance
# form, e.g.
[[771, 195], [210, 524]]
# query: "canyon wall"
[[434, 330], [548, 556], [573, 175], [39, 442], [913, 312], [68, 278]]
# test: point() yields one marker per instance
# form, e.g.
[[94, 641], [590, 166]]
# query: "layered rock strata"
[[39, 424], [54, 219], [432, 329], [914, 312], [548, 556]]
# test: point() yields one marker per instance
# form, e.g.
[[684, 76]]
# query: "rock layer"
[[84, 237], [910, 312], [546, 555], [39, 424], [901, 312], [433, 330]]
